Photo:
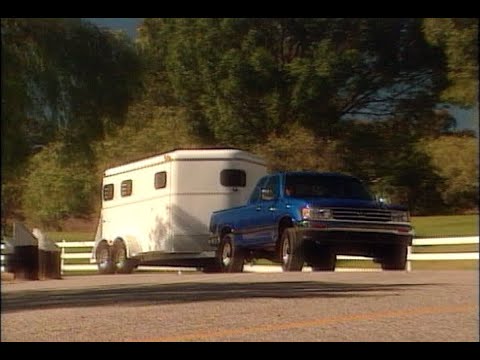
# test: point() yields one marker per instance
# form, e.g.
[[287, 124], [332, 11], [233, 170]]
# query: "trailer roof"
[[184, 154]]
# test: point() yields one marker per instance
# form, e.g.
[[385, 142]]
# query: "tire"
[[291, 251], [230, 258], [214, 267], [104, 258], [395, 258], [122, 265], [323, 259]]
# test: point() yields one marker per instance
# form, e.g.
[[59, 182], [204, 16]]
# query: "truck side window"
[[273, 184], [255, 197]]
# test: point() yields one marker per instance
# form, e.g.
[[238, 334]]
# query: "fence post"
[[62, 257], [409, 252]]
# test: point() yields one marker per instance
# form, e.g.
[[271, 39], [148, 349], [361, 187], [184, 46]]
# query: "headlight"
[[400, 216], [316, 214]]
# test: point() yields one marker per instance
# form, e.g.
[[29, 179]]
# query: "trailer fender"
[[132, 244]]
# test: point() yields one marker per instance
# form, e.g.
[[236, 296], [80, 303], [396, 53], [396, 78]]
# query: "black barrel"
[[26, 264]]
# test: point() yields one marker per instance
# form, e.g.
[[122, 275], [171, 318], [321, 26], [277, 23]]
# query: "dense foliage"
[[369, 97]]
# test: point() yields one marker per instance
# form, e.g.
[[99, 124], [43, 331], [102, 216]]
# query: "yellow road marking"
[[207, 334]]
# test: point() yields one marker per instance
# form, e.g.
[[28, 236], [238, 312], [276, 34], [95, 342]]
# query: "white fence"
[[64, 245]]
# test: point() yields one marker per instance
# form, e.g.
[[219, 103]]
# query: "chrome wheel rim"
[[103, 258], [121, 258], [285, 250], [227, 254]]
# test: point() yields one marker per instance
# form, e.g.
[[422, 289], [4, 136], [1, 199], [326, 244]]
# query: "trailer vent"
[[108, 192], [126, 188]]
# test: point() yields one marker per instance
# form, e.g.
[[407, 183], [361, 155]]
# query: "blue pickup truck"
[[297, 218]]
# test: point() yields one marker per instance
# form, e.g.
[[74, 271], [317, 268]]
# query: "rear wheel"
[[122, 265], [104, 258], [230, 257], [291, 251], [395, 258]]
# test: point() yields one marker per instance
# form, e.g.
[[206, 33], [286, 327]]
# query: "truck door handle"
[[258, 208], [272, 208]]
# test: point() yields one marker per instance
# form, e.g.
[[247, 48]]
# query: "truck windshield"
[[326, 186]]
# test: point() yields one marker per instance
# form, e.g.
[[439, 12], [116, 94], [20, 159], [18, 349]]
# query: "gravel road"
[[417, 306]]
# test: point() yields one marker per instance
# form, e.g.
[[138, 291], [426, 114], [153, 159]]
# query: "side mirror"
[[267, 194]]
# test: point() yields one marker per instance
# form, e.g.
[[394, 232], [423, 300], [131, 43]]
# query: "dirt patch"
[[8, 276], [80, 225]]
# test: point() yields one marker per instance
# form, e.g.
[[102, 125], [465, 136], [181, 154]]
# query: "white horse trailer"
[[156, 211]]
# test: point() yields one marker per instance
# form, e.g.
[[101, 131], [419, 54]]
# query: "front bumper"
[[333, 232]]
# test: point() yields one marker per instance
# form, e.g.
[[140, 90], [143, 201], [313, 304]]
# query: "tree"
[[389, 160], [458, 38], [57, 188], [62, 80], [148, 130], [455, 159], [299, 149], [244, 79]]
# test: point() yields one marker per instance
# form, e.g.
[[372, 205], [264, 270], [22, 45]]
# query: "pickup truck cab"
[[295, 218]]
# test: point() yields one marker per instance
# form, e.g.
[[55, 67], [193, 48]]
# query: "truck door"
[[248, 216], [262, 213]]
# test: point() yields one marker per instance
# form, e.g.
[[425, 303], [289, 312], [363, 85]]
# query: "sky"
[[129, 25], [466, 119]]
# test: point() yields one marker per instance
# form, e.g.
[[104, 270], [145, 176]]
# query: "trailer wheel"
[[104, 258], [291, 251], [230, 257], [122, 265]]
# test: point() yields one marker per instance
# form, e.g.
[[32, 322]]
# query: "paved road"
[[248, 307]]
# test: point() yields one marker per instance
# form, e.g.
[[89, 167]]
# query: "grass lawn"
[[445, 226]]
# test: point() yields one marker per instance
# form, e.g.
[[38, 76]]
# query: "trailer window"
[[160, 180], [126, 189], [233, 177], [108, 192]]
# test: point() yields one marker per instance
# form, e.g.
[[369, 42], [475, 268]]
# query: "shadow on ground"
[[154, 294]]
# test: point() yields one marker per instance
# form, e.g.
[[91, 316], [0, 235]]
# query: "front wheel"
[[395, 258], [291, 251], [230, 257], [323, 259]]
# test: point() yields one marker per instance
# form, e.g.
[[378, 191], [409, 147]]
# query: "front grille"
[[361, 214]]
